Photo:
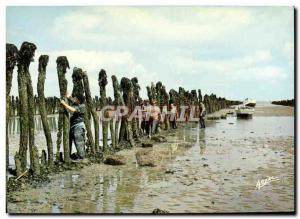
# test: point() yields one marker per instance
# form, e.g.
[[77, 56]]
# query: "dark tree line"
[[285, 102]]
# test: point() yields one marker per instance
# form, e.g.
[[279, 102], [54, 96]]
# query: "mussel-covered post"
[[117, 102], [92, 110], [111, 126], [78, 89], [149, 93], [165, 104], [11, 60], [126, 135], [136, 101], [21, 156], [25, 57], [194, 104], [43, 61], [102, 80], [158, 93], [153, 91], [206, 103], [63, 123]]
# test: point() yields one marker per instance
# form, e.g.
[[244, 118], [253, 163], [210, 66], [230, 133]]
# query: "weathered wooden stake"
[[102, 79], [34, 155], [165, 103], [43, 61], [92, 110], [111, 126], [62, 65], [136, 101], [11, 60], [126, 135], [78, 88], [25, 56], [118, 101]]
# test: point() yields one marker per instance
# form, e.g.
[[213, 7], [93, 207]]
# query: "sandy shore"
[[273, 110]]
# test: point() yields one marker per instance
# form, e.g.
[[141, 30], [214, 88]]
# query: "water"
[[40, 140], [211, 170], [255, 127]]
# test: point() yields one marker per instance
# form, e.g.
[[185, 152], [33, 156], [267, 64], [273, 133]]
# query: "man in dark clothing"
[[77, 127], [202, 115]]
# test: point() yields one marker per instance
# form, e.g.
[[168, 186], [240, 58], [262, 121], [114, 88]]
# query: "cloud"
[[221, 66], [121, 64], [193, 47], [271, 74], [163, 25]]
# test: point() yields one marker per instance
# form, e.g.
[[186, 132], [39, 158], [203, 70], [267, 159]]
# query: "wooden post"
[[43, 61], [34, 155], [23, 64], [165, 102], [111, 126], [136, 100], [118, 102], [25, 56], [11, 60], [92, 110], [62, 65], [102, 79], [126, 135], [149, 93], [78, 88]]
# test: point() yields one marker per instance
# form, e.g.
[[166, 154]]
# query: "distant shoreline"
[[273, 110]]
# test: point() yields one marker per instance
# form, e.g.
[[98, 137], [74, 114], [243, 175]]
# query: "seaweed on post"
[[43, 62], [78, 88], [102, 80], [25, 57], [118, 101], [11, 61], [126, 135], [63, 119], [92, 111]]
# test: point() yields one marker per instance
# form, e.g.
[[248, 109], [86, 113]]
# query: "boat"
[[249, 102], [244, 112]]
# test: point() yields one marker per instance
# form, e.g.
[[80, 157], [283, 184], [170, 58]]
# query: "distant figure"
[[155, 112], [77, 127], [173, 116], [146, 118], [202, 115]]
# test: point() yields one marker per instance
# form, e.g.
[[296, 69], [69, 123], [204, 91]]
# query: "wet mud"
[[196, 171]]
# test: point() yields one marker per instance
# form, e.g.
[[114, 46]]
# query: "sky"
[[234, 52]]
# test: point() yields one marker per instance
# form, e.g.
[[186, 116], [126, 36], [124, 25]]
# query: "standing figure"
[[77, 127], [155, 113], [173, 116], [202, 115]]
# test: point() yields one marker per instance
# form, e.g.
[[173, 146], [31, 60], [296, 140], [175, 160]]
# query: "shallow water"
[[40, 141], [211, 170]]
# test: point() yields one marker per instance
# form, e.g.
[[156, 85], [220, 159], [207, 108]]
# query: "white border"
[[5, 3]]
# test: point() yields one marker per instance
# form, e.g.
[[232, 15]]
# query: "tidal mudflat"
[[231, 166]]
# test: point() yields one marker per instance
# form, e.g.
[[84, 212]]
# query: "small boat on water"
[[246, 110]]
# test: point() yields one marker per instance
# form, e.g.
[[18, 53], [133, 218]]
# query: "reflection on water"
[[255, 127], [14, 124], [40, 141], [202, 141]]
